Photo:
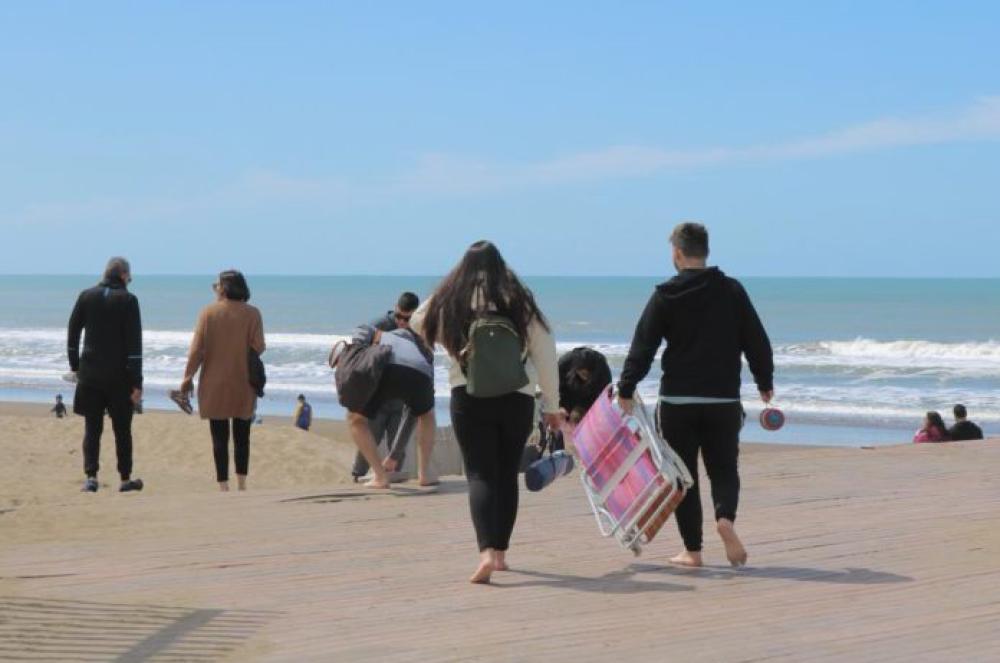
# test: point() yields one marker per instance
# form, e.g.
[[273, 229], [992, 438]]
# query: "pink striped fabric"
[[603, 442]]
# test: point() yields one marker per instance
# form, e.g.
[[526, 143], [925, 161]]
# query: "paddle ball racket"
[[771, 418]]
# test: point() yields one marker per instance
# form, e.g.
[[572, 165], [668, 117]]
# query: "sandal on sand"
[[182, 400]]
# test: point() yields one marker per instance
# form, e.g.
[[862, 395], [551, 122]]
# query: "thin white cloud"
[[440, 173], [443, 175]]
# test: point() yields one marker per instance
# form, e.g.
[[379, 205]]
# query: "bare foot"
[[224, 486], [424, 481], [735, 552], [500, 564], [483, 573], [241, 482], [389, 464], [687, 558], [376, 483]]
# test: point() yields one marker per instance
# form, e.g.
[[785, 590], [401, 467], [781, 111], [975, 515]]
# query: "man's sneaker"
[[130, 485], [89, 486]]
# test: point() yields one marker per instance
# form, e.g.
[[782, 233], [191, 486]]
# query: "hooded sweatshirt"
[[708, 322]]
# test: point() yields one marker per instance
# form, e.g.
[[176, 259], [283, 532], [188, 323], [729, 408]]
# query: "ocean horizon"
[[858, 360]]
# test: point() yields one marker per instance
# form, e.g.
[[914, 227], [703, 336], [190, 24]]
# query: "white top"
[[541, 366]]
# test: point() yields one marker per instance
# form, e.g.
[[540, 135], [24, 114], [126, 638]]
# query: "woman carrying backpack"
[[501, 347]]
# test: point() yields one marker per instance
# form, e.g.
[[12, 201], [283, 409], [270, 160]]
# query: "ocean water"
[[858, 360]]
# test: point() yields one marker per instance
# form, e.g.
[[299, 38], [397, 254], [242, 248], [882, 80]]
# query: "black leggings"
[[715, 430], [220, 446], [492, 433]]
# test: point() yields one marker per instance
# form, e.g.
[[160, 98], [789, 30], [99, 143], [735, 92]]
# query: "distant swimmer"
[[59, 408], [109, 370], [303, 413], [963, 428]]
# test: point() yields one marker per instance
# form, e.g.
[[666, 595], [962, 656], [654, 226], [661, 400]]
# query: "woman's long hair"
[[481, 278], [935, 420]]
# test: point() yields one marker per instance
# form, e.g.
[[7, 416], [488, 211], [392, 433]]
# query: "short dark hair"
[[691, 239], [234, 285], [407, 302], [301, 397], [116, 269], [960, 412]]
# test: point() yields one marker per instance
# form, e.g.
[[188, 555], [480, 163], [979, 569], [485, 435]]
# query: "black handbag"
[[258, 377]]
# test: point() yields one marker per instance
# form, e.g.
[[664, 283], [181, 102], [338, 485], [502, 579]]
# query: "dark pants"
[[220, 446], [491, 433], [92, 402], [715, 430], [393, 424]]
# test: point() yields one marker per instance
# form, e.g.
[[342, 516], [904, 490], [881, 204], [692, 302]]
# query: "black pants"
[[715, 430], [121, 424], [92, 403], [220, 446], [492, 433]]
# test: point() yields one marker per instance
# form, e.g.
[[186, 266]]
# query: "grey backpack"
[[493, 360], [359, 368]]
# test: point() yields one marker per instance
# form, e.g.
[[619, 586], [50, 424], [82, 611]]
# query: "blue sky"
[[854, 138]]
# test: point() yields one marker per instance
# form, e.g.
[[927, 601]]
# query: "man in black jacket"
[[109, 370], [708, 322], [963, 428]]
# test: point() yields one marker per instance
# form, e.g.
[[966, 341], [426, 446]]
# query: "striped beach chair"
[[631, 477]]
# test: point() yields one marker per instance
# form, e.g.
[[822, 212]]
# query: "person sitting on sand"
[[409, 377], [933, 429], [303, 413], [59, 408], [963, 428]]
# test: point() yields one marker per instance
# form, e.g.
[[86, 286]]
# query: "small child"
[[59, 408]]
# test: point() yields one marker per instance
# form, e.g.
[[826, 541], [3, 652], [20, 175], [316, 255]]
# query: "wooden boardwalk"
[[886, 554]]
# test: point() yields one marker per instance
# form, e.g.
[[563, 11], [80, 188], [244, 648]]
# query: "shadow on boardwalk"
[[57, 630], [849, 576]]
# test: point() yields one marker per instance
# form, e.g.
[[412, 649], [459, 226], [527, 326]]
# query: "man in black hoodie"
[[708, 322], [109, 370]]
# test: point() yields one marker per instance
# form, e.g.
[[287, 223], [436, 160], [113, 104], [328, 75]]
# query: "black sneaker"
[[89, 486], [130, 485]]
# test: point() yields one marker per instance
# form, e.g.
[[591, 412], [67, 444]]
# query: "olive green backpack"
[[493, 360]]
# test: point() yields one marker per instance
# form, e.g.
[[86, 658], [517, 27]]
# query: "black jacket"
[[707, 321], [112, 350], [965, 430]]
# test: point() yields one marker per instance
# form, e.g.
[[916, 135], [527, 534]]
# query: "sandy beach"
[[172, 451], [871, 554]]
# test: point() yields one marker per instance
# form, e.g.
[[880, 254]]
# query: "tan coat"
[[222, 337]]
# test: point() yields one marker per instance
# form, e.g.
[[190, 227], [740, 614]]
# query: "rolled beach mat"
[[771, 418], [546, 470]]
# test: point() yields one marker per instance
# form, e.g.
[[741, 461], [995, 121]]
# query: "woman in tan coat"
[[225, 333]]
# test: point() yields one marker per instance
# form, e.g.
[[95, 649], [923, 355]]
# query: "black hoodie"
[[707, 321], [112, 346]]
